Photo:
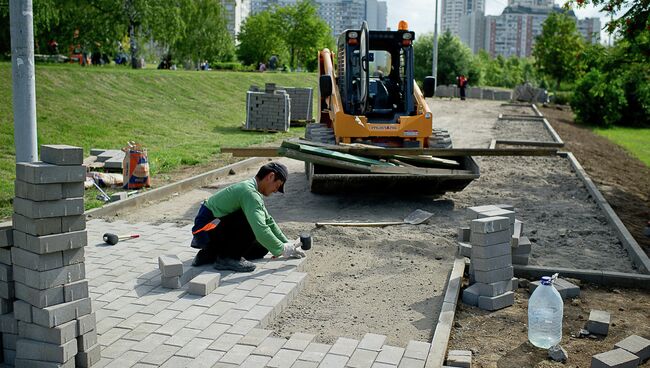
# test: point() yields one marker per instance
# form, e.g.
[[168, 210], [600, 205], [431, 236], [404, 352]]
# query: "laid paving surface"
[[142, 324]]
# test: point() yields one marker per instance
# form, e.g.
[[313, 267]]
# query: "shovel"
[[414, 218]]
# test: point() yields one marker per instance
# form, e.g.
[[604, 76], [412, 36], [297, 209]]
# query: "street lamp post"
[[434, 68]]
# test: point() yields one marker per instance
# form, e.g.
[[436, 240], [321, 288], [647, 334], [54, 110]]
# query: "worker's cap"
[[281, 172]]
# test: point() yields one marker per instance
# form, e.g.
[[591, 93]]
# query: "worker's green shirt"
[[244, 195]]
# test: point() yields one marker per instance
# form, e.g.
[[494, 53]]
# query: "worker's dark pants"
[[462, 93], [232, 238]]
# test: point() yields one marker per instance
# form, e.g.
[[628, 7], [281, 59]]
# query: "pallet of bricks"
[[301, 104], [268, 111], [493, 242], [52, 324]]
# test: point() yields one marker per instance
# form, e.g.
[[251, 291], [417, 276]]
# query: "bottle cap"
[[546, 280]]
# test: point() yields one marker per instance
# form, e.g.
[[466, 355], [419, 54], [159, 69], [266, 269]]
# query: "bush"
[[234, 66], [636, 84], [599, 99], [561, 98]]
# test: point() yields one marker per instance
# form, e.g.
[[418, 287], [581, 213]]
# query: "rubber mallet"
[[112, 239]]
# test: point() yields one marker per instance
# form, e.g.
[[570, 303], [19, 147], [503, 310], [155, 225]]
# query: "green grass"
[[182, 117], [634, 140]]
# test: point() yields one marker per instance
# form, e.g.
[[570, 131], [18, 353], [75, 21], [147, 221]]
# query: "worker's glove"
[[292, 249]]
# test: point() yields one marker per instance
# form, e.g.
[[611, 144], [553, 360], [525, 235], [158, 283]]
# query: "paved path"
[[142, 324]]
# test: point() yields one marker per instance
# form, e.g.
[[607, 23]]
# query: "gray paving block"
[[86, 323], [390, 355], [50, 243], [5, 256], [38, 192], [204, 284], [270, 346], [362, 358], [470, 295], [9, 341], [598, 322], [75, 290], [170, 265], [489, 264], [617, 358], [7, 290], [6, 272], [496, 302], [465, 249], [520, 259], [488, 277], [35, 261], [284, 358], [73, 190], [6, 306], [8, 324], [566, 289], [6, 236], [50, 278], [173, 282], [62, 154], [523, 246], [58, 335], [499, 212], [473, 212], [518, 229], [39, 298], [417, 350], [38, 350], [299, 341], [108, 154], [371, 341], [490, 251], [488, 225], [61, 313], [28, 363], [459, 358], [87, 340], [495, 288], [23, 311], [43, 173], [463, 234], [47, 226], [636, 345], [485, 239], [85, 359], [45, 209], [73, 256]]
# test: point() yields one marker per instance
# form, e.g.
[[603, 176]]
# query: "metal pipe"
[[21, 25], [434, 66]]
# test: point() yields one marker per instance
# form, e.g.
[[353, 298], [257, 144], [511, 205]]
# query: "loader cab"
[[376, 73]]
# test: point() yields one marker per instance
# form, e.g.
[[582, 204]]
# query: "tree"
[[259, 40], [454, 59], [423, 54], [557, 48], [303, 32]]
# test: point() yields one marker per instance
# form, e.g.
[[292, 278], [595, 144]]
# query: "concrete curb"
[[442, 333], [168, 190], [549, 128], [605, 278], [638, 256], [537, 112]]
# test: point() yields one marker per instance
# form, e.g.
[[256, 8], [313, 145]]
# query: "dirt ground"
[[391, 280]]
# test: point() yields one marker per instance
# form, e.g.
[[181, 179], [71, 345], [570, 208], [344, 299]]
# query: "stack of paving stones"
[[174, 274], [269, 110], [491, 271], [112, 159], [301, 103], [627, 353], [566, 289], [8, 324], [474, 92], [55, 326]]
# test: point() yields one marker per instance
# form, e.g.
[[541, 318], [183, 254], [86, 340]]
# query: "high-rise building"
[[236, 11], [589, 28], [376, 15], [472, 30], [453, 12]]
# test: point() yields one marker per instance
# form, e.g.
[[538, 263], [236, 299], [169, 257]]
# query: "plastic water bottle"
[[545, 309]]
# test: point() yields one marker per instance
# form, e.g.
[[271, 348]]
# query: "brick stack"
[[301, 102], [8, 324], [491, 272], [269, 110], [55, 325], [521, 245]]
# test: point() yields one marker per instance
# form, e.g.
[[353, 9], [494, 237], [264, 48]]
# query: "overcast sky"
[[419, 13]]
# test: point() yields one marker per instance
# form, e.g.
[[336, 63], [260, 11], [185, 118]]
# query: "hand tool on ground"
[[414, 218], [305, 240], [103, 196], [112, 239]]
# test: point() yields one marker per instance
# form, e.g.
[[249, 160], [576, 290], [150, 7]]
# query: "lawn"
[[182, 117], [634, 140]]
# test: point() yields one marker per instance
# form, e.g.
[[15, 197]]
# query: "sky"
[[420, 13]]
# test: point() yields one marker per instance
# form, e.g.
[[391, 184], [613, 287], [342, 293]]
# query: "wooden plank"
[[528, 143], [325, 161], [360, 224], [429, 160], [388, 152], [251, 151], [318, 151], [416, 171]]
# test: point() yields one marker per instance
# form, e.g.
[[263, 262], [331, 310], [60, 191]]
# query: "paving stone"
[[85, 359], [58, 335], [35, 261], [28, 363], [50, 278], [304, 364], [127, 358], [390, 355], [173, 282], [598, 322], [61, 154], [204, 284], [618, 358], [50, 243], [61, 313], [520, 260], [486, 239], [523, 247], [214, 331], [6, 273], [7, 290], [334, 361], [270, 346], [170, 265], [47, 226], [160, 354], [465, 249], [362, 358], [491, 251], [488, 225], [38, 192], [488, 277], [196, 348], [471, 294], [565, 288], [237, 354], [86, 323], [284, 358], [37, 350], [5, 256], [75, 290], [636, 345], [495, 288], [473, 212], [44, 173], [459, 358], [372, 342], [500, 213], [315, 352], [9, 341], [6, 236], [176, 361], [417, 350], [149, 343], [299, 341], [206, 359], [86, 341], [496, 302], [46, 209], [255, 361], [463, 234], [23, 311], [225, 342], [489, 264], [8, 324], [344, 346]]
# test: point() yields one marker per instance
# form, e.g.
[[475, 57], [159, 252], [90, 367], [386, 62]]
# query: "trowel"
[[414, 218]]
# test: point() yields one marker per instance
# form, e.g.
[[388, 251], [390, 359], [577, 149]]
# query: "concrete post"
[[434, 66], [23, 77]]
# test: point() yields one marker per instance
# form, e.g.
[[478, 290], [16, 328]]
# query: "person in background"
[[462, 84]]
